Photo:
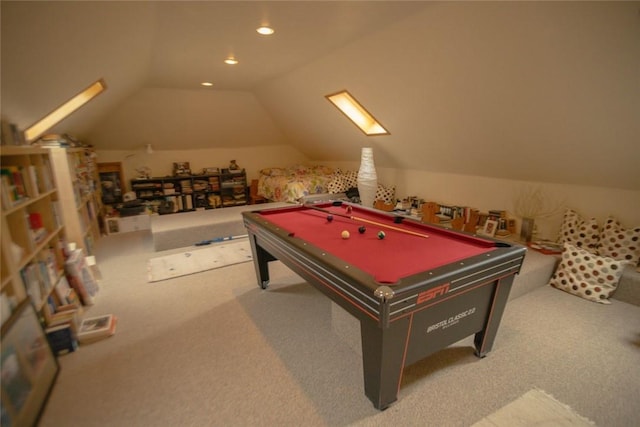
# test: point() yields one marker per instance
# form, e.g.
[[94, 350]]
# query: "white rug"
[[198, 260], [534, 408]]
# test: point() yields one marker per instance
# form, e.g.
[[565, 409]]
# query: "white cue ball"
[[345, 234]]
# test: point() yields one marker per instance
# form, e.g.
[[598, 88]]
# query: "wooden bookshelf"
[[80, 201], [33, 234]]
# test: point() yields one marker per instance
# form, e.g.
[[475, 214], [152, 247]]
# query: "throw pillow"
[[578, 232], [586, 275], [272, 171], [619, 243], [337, 184], [386, 194]]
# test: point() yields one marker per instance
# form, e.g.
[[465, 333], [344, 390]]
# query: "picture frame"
[[490, 228], [29, 368]]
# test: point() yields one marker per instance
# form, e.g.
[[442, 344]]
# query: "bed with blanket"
[[290, 184]]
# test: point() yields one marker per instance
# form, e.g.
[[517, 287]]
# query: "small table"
[[415, 291]]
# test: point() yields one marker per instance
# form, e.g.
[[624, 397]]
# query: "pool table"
[[415, 288]]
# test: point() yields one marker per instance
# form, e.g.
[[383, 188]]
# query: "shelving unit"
[[233, 187], [33, 235], [80, 203], [173, 194]]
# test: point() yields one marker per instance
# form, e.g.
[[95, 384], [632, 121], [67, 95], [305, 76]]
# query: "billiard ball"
[[362, 229], [381, 235], [349, 209], [329, 218], [345, 234]]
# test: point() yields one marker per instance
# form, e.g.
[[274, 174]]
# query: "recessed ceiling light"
[[231, 61], [206, 84], [265, 31]]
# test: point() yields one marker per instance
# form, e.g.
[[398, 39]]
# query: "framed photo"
[[490, 228], [29, 368]]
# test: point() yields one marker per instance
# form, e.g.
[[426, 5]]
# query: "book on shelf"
[[33, 179], [96, 328], [33, 284], [14, 190], [45, 176]]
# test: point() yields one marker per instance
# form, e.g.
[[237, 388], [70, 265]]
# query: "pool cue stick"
[[219, 239], [356, 218]]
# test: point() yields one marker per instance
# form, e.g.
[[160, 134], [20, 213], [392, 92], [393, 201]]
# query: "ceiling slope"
[[53, 50], [160, 52], [536, 91]]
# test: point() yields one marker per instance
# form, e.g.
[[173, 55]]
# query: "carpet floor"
[[213, 349]]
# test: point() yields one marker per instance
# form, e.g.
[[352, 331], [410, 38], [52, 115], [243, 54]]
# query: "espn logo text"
[[432, 293]]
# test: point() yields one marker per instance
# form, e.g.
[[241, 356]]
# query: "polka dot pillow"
[[336, 185], [580, 233], [341, 182], [592, 277], [619, 243], [386, 194]]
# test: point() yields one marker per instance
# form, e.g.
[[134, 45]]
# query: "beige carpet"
[[199, 260], [214, 349], [534, 408]]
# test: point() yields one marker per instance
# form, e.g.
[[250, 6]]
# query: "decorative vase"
[[367, 178], [527, 229]]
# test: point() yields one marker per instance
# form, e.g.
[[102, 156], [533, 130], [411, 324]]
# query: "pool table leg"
[[261, 263], [484, 339], [383, 351]]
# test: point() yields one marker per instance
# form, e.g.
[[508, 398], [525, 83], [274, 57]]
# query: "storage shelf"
[[193, 191]]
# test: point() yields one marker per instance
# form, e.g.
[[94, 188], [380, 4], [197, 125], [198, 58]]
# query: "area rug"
[[198, 260], [534, 408]]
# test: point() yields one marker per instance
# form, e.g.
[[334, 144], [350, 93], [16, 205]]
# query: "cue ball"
[[345, 234], [381, 235], [329, 218], [362, 229]]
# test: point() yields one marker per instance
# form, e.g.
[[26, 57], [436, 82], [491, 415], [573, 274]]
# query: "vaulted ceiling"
[[537, 91]]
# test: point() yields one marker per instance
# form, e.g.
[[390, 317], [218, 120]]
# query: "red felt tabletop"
[[399, 254]]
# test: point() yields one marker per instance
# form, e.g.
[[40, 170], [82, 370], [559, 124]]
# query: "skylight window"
[[359, 115], [63, 111]]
